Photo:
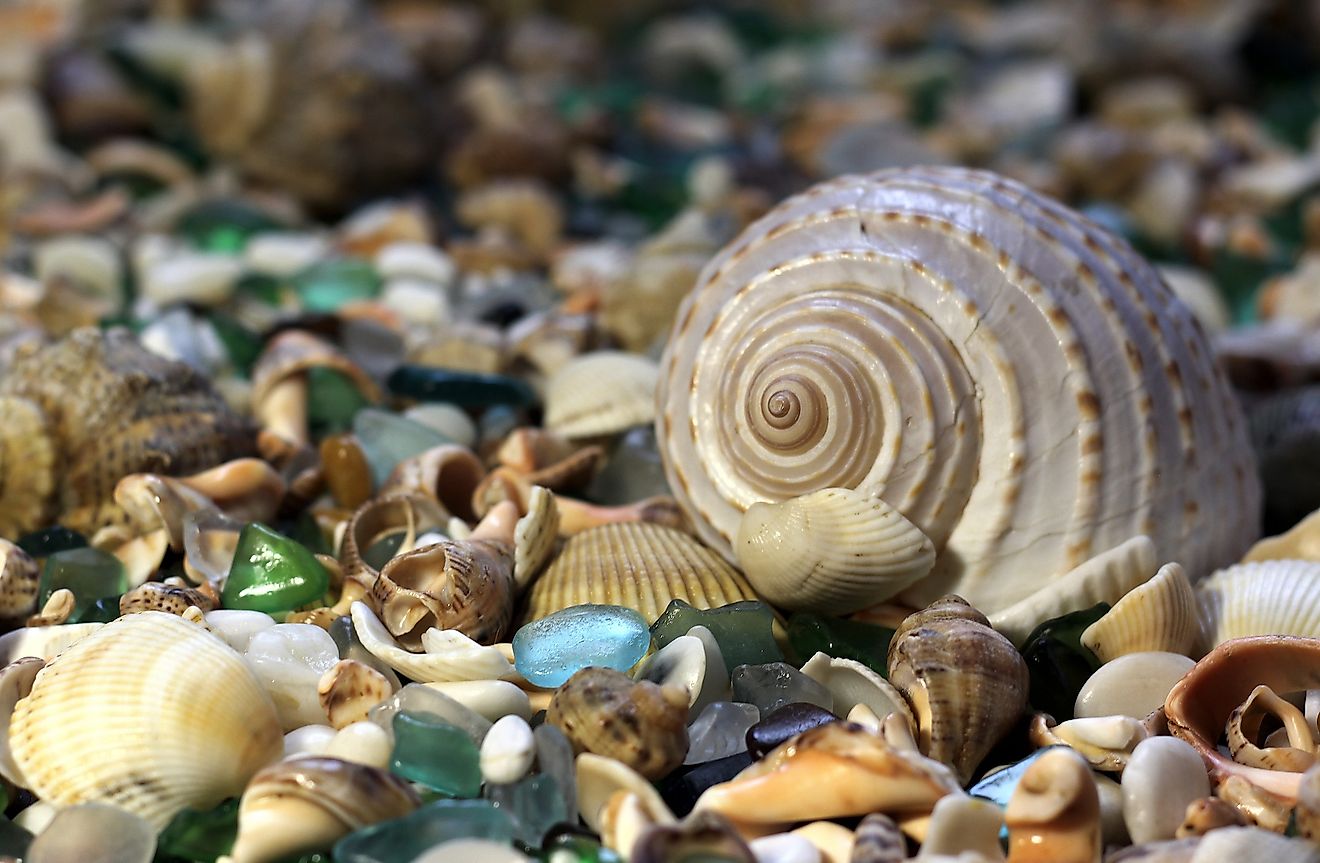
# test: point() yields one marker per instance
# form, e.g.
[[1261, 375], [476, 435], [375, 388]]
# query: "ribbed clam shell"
[[601, 393], [1270, 597], [1158, 615], [831, 551], [1013, 378], [638, 565], [150, 713]]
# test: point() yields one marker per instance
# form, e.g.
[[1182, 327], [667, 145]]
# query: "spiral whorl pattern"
[[1011, 377]]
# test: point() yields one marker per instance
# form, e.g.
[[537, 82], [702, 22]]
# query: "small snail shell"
[[1013, 379]]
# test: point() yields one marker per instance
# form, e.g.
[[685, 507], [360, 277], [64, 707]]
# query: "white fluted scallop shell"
[[1011, 377], [1269, 597], [601, 393], [150, 713], [831, 551], [1158, 615]]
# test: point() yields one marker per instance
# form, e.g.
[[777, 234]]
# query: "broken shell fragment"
[[447, 655], [169, 598], [599, 778], [1244, 727], [832, 771], [853, 684], [1158, 615], [1106, 742], [1053, 815], [350, 689], [832, 551]]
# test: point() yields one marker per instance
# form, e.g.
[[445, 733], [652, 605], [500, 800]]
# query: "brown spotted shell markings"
[[1011, 377], [966, 683], [92, 408], [635, 722], [20, 578], [169, 598]]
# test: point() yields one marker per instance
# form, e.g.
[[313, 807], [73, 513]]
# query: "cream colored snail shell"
[[1012, 378]]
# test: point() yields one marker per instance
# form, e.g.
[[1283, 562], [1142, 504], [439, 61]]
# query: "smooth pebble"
[[363, 742], [1134, 684], [508, 750], [471, 851], [784, 848], [1163, 775]]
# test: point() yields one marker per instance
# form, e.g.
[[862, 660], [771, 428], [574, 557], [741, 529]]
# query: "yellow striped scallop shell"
[[1158, 615], [150, 713], [1012, 378], [1269, 597], [638, 565]]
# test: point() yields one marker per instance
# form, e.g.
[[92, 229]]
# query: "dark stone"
[[681, 788], [783, 723]]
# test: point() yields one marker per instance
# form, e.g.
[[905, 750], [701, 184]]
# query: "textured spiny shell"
[[634, 721], [466, 586], [1011, 377], [150, 713], [966, 683], [112, 408], [1270, 597], [638, 565]]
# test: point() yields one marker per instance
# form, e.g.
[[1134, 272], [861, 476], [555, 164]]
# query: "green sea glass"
[[435, 753], [272, 573]]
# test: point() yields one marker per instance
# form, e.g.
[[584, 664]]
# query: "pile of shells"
[[427, 434]]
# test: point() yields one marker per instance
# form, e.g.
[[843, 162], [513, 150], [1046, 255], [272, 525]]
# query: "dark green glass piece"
[[223, 225], [103, 610], [1058, 663], [43, 543], [332, 401], [272, 573], [466, 389], [743, 630], [89, 572], [200, 836], [577, 849], [866, 643]]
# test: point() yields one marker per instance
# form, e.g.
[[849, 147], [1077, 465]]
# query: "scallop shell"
[[1301, 542], [306, 803], [637, 565], [966, 683], [1158, 615], [636, 722], [149, 713], [92, 408], [1272, 597], [831, 551], [1013, 379], [601, 393]]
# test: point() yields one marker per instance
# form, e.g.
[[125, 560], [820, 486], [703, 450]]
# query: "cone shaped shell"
[[1158, 615], [637, 565], [1012, 377], [601, 393], [832, 551], [150, 713], [1271, 597]]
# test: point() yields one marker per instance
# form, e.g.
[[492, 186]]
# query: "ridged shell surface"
[[600, 393], [1013, 379], [1158, 615], [150, 713], [638, 565], [1271, 597]]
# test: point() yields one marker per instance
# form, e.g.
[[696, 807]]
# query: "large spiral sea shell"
[[1012, 378]]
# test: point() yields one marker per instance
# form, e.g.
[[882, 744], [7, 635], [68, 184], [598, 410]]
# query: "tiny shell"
[[1158, 615], [1106, 742], [636, 722], [447, 474], [598, 778], [966, 683], [169, 598], [694, 662], [142, 691], [959, 823], [831, 771], [852, 684], [535, 537], [640, 566], [1272, 597], [449, 655], [601, 393], [1106, 577], [350, 689], [19, 579], [832, 551]]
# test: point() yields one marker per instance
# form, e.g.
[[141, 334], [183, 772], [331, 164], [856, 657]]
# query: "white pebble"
[[237, 626], [1163, 775], [363, 742], [1135, 684], [416, 261], [192, 277], [490, 698], [289, 659], [308, 740], [784, 848], [284, 253], [416, 301], [471, 851], [508, 750], [1237, 844]]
